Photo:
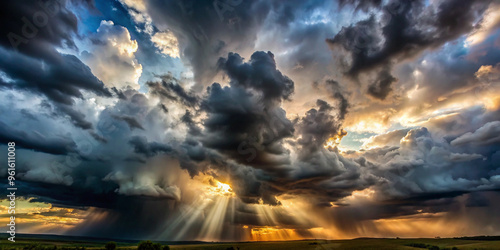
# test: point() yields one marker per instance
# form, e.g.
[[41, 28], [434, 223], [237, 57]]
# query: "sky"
[[235, 120]]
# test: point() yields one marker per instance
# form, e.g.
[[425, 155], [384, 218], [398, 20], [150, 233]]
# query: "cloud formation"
[[113, 56], [326, 120]]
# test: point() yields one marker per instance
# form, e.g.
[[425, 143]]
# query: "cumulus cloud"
[[167, 43], [112, 58], [488, 73], [247, 115], [142, 186], [138, 12], [488, 134]]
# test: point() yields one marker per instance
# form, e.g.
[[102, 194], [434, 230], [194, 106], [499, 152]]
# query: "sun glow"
[[219, 189], [208, 213], [273, 233], [336, 139], [224, 188], [43, 217]]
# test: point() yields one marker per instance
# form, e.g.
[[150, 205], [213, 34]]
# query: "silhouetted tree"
[[148, 245], [110, 245]]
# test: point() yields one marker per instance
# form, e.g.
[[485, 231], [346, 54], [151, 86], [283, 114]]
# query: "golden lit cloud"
[[40, 217], [273, 234], [112, 58], [489, 23], [167, 43]]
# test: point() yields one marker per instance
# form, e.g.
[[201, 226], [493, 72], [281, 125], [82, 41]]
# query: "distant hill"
[[487, 238]]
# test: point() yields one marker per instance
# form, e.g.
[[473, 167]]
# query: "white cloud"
[[138, 11], [112, 56], [167, 43], [142, 186]]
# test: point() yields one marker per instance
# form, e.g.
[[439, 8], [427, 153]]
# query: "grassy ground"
[[414, 244], [353, 244]]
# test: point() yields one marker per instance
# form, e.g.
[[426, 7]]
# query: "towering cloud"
[[113, 56]]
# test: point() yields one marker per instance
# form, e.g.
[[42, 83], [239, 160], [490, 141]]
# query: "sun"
[[219, 189], [224, 188]]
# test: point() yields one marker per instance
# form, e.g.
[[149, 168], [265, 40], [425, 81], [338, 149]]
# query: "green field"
[[72, 243]]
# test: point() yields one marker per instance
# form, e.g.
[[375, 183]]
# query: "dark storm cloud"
[[382, 85], [121, 210], [275, 171], [246, 123], [187, 119], [336, 92], [411, 28], [170, 88], [44, 27], [314, 130], [97, 174], [259, 73], [118, 93], [205, 29], [318, 126], [77, 118], [60, 80], [70, 196], [131, 121], [35, 27], [247, 114], [477, 199], [36, 141], [153, 212], [405, 30], [31, 32], [142, 146], [237, 118]]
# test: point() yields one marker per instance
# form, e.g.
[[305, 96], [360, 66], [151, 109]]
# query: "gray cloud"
[[407, 28], [488, 134]]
